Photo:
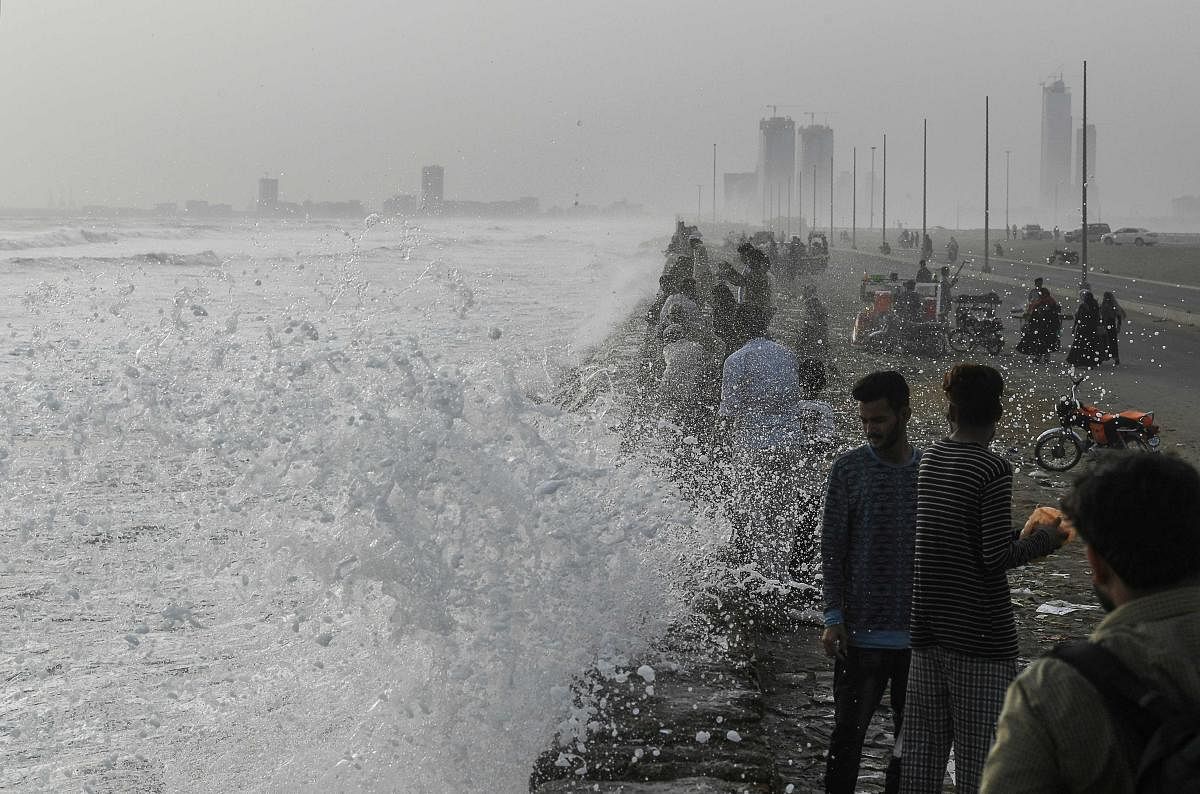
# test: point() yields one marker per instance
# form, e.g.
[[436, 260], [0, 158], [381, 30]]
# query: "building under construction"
[[776, 166], [773, 191], [816, 156]]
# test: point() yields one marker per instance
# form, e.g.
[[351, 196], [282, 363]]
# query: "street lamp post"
[[854, 201], [924, 180], [883, 220], [1007, 152], [987, 267], [699, 206], [1083, 263], [800, 200], [872, 224]]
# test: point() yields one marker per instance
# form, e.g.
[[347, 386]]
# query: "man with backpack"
[[1139, 514]]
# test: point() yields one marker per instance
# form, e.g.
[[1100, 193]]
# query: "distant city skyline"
[[166, 101]]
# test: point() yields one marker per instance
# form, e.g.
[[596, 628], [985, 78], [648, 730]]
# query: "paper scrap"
[[1057, 607]]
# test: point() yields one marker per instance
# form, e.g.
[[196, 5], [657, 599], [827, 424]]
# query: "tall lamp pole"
[[1083, 275], [924, 180], [1007, 152], [987, 266], [831, 199], [699, 191], [883, 220], [854, 201], [872, 224], [800, 200]]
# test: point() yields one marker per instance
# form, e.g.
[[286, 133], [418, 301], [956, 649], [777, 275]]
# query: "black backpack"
[[1167, 734]]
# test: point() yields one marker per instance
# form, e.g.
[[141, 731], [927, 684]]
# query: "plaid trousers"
[[953, 698]]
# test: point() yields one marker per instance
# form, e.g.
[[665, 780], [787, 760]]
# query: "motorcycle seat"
[[1127, 418]]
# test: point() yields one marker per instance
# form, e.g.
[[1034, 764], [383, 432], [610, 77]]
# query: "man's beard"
[[1104, 600], [885, 440]]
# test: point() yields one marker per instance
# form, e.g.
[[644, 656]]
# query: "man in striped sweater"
[[964, 637], [866, 555]]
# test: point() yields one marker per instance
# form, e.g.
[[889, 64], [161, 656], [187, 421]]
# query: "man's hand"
[[1057, 531], [834, 640]]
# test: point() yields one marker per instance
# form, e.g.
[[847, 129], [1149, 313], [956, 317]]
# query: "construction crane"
[[812, 114], [775, 108]]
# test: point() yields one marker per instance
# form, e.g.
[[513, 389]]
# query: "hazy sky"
[[142, 101]]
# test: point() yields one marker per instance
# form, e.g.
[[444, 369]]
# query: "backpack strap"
[[1130, 701]]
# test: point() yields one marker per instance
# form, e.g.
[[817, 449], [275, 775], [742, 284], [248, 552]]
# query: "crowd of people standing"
[[914, 545], [1095, 334]]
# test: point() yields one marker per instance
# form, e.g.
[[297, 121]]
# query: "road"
[[1160, 359]]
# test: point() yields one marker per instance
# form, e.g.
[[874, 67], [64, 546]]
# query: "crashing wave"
[[70, 236]]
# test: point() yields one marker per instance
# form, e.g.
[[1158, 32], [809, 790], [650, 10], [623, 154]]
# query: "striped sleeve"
[[965, 544]]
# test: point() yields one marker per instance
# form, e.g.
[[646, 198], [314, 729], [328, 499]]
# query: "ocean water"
[[284, 505]]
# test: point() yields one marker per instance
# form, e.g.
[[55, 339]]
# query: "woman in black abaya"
[[1085, 341]]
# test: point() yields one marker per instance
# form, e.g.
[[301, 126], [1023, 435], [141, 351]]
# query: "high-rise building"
[[268, 194], [1093, 186], [432, 188], [776, 165], [816, 149], [1055, 187]]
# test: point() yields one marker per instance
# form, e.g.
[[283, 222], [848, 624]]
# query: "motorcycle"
[[1083, 427], [976, 324]]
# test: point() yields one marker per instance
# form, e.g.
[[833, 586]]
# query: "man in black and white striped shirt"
[[964, 638]]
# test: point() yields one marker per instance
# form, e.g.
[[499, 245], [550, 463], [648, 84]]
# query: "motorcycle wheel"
[[1058, 452], [959, 341]]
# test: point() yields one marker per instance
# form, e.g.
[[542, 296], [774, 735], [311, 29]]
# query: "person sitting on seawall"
[[813, 339], [682, 384], [684, 304], [817, 445], [725, 323], [679, 269], [760, 393], [667, 286], [1139, 516], [755, 281], [702, 270], [924, 274]]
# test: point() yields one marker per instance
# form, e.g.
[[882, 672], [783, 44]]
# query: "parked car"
[[1130, 234], [1095, 232], [1033, 231]]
